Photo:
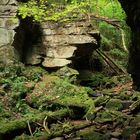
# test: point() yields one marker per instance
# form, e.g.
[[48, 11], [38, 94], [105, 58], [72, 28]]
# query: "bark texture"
[[132, 9]]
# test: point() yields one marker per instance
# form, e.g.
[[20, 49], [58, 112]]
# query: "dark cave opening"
[[28, 34], [84, 58]]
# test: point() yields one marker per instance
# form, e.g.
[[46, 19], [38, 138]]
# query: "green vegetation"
[[54, 11], [108, 16], [36, 104]]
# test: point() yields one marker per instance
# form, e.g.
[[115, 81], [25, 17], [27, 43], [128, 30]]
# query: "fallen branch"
[[68, 131], [12, 128], [110, 62], [113, 22]]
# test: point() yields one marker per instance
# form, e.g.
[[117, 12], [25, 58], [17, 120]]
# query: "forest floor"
[[37, 105]]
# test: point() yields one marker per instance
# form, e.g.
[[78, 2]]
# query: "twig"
[[45, 125], [113, 22], [107, 57], [123, 40], [29, 127], [106, 60]]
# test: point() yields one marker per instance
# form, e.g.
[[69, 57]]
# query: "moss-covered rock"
[[104, 116], [91, 134], [114, 104], [101, 100]]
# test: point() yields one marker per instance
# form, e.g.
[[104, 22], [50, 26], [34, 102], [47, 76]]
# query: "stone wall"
[[8, 23], [49, 44], [65, 44]]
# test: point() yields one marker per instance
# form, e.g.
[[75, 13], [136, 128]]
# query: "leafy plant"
[[54, 11], [16, 85]]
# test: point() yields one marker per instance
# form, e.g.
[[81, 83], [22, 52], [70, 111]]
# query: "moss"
[[123, 95], [127, 131], [2, 92], [91, 134], [34, 73], [15, 126], [53, 91], [114, 104], [135, 96], [11, 22], [104, 116], [24, 137], [101, 100]]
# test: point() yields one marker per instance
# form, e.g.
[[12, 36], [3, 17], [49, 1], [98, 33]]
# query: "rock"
[[70, 39], [66, 71], [6, 36], [116, 134], [67, 41], [8, 23], [114, 139], [3, 2], [55, 62], [11, 23], [61, 52], [128, 131], [104, 117], [8, 9], [58, 138], [34, 59], [135, 106], [114, 104], [7, 55]]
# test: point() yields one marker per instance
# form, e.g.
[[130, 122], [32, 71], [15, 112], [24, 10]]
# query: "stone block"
[[8, 10], [3, 2], [5, 36], [34, 59], [2, 22], [11, 23], [67, 31], [61, 52], [7, 55], [69, 39], [55, 62]]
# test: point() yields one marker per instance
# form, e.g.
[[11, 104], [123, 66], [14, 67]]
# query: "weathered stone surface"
[[55, 62], [7, 9], [8, 23], [34, 59], [61, 52], [3, 2], [6, 36], [2, 22], [11, 23], [70, 39], [7, 55], [69, 31]]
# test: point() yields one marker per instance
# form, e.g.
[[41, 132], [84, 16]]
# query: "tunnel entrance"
[[27, 39]]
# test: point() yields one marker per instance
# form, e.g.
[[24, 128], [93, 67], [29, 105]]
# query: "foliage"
[[65, 9], [98, 81], [16, 85], [54, 11]]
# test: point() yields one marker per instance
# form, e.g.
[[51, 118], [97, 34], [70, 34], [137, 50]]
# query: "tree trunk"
[[132, 9]]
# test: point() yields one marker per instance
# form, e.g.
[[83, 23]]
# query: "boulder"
[[66, 43], [7, 55], [55, 62], [8, 24]]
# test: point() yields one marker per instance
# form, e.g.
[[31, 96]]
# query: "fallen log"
[[16, 127]]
